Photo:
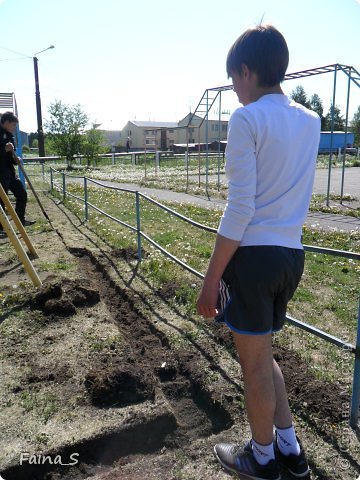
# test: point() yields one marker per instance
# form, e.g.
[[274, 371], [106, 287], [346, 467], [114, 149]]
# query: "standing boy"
[[8, 178], [270, 165]]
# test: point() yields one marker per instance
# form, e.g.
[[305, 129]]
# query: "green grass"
[[171, 175], [326, 298], [169, 162], [60, 265], [335, 275], [350, 161], [44, 404], [318, 204], [113, 344]]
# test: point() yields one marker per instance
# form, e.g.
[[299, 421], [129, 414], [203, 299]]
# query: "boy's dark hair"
[[264, 51], [8, 116]]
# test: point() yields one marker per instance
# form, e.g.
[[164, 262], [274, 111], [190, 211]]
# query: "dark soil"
[[149, 368], [61, 297], [120, 386], [308, 396], [129, 253], [153, 366]]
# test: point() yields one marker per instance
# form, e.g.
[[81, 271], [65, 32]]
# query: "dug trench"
[[150, 369]]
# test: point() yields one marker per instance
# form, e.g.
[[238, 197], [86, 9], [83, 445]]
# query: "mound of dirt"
[[121, 385], [129, 253], [62, 296], [133, 380]]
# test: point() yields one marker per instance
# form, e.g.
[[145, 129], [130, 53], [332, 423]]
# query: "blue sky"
[[153, 59]]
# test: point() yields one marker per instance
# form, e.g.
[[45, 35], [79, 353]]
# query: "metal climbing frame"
[[8, 103], [211, 94], [204, 106]]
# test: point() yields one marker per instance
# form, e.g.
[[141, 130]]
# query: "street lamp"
[[38, 104]]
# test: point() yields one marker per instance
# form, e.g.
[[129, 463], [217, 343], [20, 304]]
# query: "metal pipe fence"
[[354, 349], [159, 165]]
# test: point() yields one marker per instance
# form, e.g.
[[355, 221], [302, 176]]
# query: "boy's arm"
[[240, 208], [11, 149], [223, 251], [241, 174]]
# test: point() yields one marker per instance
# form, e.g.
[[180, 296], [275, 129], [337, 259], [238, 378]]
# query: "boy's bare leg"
[[282, 417], [256, 359]]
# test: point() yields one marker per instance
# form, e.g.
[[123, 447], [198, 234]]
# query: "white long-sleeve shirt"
[[270, 166]]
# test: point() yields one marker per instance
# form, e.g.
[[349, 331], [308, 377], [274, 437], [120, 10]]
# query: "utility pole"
[[38, 104], [41, 142]]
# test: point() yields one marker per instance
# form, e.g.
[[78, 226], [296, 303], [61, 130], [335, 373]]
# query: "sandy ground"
[[101, 364]]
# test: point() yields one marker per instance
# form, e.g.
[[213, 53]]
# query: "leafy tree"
[[299, 96], [316, 105], [94, 144], [355, 126], [339, 122], [313, 103], [33, 136], [65, 129], [49, 146]]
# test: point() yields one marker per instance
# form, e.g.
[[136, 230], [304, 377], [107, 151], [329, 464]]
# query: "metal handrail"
[[179, 215], [112, 218], [354, 349]]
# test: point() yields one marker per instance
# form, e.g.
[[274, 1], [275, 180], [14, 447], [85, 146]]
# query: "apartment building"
[[163, 135], [149, 135]]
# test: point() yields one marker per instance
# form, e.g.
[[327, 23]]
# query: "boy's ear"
[[248, 74], [244, 72]]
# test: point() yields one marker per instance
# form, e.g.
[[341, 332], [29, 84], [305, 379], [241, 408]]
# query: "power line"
[[14, 51], [9, 60]]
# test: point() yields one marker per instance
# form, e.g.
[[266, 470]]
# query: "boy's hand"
[[206, 304], [9, 147], [223, 251]]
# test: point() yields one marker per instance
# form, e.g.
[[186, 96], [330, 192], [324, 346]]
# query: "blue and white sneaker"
[[241, 460]]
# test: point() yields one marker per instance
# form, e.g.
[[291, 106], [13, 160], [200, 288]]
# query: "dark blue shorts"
[[261, 281]]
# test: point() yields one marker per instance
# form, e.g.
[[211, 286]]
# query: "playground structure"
[[209, 102], [8, 103], [212, 94]]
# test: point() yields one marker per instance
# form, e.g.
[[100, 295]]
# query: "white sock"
[[287, 442], [263, 453]]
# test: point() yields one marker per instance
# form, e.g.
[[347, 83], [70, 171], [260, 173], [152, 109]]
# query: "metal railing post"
[[345, 139], [355, 399], [187, 159], [51, 180], [64, 185], [331, 138], [157, 162], [86, 200], [219, 146], [138, 224], [207, 144], [199, 156]]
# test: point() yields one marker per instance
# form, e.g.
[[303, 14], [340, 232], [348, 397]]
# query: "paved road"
[[351, 181], [315, 219]]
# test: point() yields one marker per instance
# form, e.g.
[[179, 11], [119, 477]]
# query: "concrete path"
[[314, 220], [351, 181]]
